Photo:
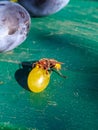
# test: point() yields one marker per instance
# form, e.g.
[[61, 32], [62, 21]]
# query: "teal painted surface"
[[69, 36]]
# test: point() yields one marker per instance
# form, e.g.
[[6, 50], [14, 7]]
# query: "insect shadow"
[[21, 74]]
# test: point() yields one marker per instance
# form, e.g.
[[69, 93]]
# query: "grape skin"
[[39, 8], [14, 25]]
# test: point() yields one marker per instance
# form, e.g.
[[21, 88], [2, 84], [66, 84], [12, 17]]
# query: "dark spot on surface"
[[39, 2], [17, 19], [12, 31], [27, 24], [3, 20], [22, 14], [23, 30], [2, 4]]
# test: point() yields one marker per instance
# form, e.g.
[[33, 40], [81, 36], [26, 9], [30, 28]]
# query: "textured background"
[[70, 36]]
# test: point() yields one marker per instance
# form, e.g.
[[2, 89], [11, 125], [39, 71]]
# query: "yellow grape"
[[38, 79]]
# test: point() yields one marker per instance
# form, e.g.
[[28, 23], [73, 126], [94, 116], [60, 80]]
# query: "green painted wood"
[[69, 36]]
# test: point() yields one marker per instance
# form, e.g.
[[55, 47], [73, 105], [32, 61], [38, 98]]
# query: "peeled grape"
[[43, 7], [14, 25]]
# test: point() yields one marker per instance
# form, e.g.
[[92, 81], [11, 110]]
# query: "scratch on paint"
[[10, 61]]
